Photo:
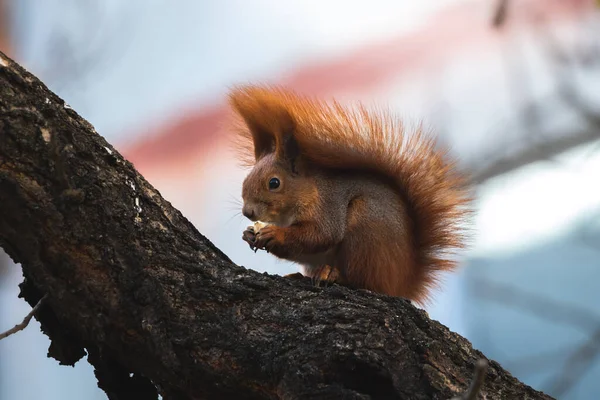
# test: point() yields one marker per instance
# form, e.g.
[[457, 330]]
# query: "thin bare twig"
[[575, 367], [561, 61], [558, 312], [567, 93], [542, 151], [500, 14], [481, 367], [582, 358], [25, 322]]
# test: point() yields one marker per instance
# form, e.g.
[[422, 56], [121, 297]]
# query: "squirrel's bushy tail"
[[334, 136]]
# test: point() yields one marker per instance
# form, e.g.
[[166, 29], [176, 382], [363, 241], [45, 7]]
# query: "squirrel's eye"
[[274, 183]]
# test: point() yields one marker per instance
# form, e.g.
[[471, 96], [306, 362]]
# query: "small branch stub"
[[478, 379], [25, 322]]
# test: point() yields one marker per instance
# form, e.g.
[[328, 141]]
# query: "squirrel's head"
[[278, 183], [273, 190]]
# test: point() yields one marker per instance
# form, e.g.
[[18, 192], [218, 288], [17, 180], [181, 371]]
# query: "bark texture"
[[157, 308]]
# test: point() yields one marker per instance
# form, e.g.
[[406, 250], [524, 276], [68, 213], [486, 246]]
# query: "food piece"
[[258, 225]]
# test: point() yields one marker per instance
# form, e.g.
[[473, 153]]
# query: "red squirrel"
[[344, 192]]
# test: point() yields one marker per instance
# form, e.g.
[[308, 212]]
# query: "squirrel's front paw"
[[269, 238], [250, 237]]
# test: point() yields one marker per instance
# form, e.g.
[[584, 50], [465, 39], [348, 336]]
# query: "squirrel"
[[344, 192]]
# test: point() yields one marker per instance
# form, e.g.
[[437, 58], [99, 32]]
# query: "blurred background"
[[512, 86]]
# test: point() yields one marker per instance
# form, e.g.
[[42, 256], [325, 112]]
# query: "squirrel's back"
[[434, 194]]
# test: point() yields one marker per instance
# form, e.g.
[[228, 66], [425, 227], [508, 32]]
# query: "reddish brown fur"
[[400, 211]]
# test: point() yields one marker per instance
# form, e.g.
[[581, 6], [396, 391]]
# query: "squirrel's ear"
[[287, 149], [267, 120]]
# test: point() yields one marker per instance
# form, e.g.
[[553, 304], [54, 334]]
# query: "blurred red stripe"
[[454, 31]]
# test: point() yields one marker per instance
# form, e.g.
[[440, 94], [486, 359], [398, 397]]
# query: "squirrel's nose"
[[248, 212]]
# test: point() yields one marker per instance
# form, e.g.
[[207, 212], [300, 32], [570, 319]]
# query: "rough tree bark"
[[157, 307]]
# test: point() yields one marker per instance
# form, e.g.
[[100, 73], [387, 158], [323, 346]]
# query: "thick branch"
[[154, 303]]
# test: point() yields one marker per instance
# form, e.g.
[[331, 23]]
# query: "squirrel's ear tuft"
[[287, 149], [267, 118]]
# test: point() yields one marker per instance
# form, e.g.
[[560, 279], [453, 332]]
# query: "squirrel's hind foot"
[[295, 276], [326, 275]]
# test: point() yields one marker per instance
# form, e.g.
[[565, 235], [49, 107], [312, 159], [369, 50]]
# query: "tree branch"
[[158, 308], [24, 323], [500, 13], [478, 379]]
